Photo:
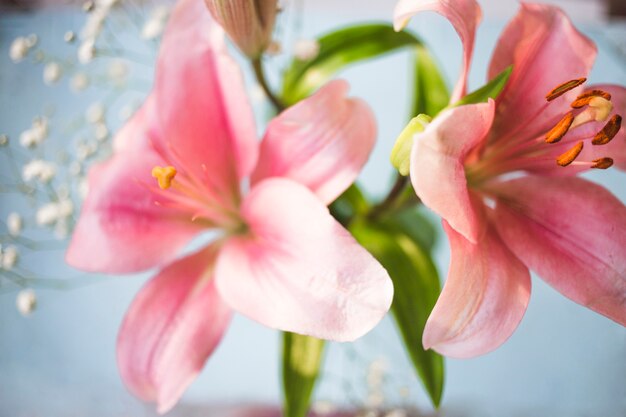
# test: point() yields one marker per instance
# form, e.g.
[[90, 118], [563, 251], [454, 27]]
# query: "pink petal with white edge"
[[205, 118], [120, 228], [321, 142], [437, 165], [545, 50], [483, 300], [572, 232], [464, 15], [171, 328], [299, 270]]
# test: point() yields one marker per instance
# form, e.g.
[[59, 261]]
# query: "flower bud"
[[401, 152], [249, 23]]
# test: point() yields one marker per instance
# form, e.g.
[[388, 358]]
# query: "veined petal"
[[205, 118], [170, 330], [121, 229], [483, 299], [545, 50], [572, 232], [321, 142], [464, 15], [437, 165], [298, 269]]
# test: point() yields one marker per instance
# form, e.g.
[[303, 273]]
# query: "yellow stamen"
[[164, 176], [560, 129], [561, 89], [584, 99], [602, 163], [609, 131], [569, 156]]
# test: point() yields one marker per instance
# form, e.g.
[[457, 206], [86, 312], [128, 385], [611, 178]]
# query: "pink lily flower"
[[279, 257], [502, 176]]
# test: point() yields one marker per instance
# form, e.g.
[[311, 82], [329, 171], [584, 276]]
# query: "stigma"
[[590, 106], [164, 176]]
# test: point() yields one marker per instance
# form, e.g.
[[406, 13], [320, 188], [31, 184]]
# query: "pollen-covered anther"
[[561, 89], [561, 128], [568, 157], [584, 99], [609, 131], [602, 163], [164, 176]]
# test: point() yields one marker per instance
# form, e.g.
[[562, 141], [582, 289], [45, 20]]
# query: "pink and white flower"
[[280, 258], [502, 176]]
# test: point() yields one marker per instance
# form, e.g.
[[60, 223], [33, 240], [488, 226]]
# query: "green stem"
[[257, 65], [389, 202]]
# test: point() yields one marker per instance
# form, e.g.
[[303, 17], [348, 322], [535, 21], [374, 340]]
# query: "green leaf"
[[302, 358], [349, 204], [431, 93], [416, 288], [338, 50], [412, 222], [490, 90]]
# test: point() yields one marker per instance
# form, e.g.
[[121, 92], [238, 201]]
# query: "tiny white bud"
[[4, 140], [14, 224], [102, 132], [19, 49], [47, 214], [79, 82], [31, 40], [52, 73], [306, 49], [10, 256], [69, 36], [26, 302], [95, 113]]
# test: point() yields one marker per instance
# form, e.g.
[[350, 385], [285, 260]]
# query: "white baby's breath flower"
[[118, 70], [19, 49], [69, 36], [14, 224], [47, 214], [83, 188], [4, 139], [95, 113], [52, 73], [101, 131], [31, 40], [10, 256], [37, 133], [26, 302], [79, 82], [306, 49], [40, 170], [86, 51]]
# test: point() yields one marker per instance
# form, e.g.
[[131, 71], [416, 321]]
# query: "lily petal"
[[172, 327], [483, 299], [437, 165], [120, 228], [545, 50], [464, 15], [299, 270], [572, 232], [201, 102], [321, 142]]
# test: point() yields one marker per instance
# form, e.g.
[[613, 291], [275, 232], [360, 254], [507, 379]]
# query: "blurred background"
[[564, 360]]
